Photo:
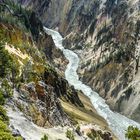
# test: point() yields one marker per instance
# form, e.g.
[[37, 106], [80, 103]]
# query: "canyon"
[[105, 34], [101, 60]]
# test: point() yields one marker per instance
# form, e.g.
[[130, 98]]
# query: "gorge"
[[117, 122], [69, 69], [105, 34]]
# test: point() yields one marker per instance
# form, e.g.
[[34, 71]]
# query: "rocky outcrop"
[[62, 88], [40, 104], [54, 55]]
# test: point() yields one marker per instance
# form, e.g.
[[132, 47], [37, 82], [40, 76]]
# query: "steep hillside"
[[32, 84], [31, 74], [106, 36]]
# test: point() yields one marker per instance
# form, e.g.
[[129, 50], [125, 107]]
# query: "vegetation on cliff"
[[5, 92], [133, 133], [15, 15], [44, 138], [5, 133], [70, 135]]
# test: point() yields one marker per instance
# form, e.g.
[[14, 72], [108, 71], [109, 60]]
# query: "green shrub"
[[133, 133], [6, 87], [44, 138], [5, 61], [93, 135], [2, 100], [70, 135], [5, 133], [3, 116], [3, 127], [78, 130]]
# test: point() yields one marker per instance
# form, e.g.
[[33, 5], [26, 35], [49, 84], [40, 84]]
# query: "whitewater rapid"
[[117, 122]]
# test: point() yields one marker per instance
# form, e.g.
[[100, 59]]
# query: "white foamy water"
[[117, 122]]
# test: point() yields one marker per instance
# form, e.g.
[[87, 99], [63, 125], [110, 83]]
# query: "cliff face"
[[106, 35], [108, 43]]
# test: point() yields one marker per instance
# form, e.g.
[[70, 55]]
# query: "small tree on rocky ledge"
[[44, 138], [133, 133], [70, 135]]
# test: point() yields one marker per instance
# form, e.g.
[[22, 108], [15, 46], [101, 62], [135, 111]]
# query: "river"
[[117, 122]]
